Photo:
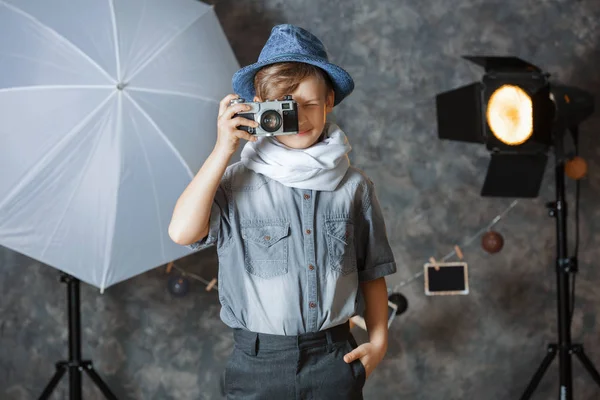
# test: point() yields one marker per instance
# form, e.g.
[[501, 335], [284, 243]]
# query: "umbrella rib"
[[71, 197], [58, 36], [160, 133], [115, 32], [109, 243], [167, 43], [51, 153], [149, 167], [173, 93], [46, 63], [53, 87]]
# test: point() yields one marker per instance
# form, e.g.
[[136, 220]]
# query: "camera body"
[[278, 117]]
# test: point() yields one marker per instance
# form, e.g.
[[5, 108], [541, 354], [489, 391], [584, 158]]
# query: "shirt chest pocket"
[[340, 244], [266, 248]]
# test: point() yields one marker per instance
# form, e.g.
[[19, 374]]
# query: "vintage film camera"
[[274, 117]]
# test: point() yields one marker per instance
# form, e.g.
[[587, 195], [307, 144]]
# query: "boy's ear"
[[329, 101], [257, 99]]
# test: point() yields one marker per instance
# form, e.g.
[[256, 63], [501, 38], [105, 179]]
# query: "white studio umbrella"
[[107, 110]]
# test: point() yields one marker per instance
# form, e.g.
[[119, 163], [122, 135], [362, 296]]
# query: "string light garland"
[[212, 284], [469, 240], [465, 243]]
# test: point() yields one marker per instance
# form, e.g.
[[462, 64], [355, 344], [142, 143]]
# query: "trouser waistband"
[[251, 342]]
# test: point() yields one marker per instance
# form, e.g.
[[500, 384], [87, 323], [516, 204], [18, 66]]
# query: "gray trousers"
[[308, 366]]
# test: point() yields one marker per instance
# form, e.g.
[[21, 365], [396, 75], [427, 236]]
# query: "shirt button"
[[306, 196], [311, 267], [308, 231], [267, 237], [312, 305]]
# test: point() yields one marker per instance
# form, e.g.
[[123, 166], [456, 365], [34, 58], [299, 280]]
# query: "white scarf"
[[320, 167]]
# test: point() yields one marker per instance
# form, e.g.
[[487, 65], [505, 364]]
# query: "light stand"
[[564, 267], [75, 364], [518, 113]]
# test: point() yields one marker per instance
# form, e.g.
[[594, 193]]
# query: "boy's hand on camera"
[[228, 135], [370, 355]]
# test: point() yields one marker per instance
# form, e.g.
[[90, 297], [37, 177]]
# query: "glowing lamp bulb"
[[510, 115]]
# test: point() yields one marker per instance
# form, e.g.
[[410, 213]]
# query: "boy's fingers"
[[231, 111], [245, 135], [238, 108], [240, 121], [354, 354], [225, 103]]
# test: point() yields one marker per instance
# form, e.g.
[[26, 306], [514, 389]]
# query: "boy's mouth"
[[303, 133]]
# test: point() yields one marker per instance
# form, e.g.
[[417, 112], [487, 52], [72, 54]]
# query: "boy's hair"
[[277, 80]]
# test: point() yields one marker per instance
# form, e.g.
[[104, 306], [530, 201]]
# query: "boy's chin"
[[298, 142]]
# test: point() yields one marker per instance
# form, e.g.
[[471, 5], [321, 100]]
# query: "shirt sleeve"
[[219, 227], [374, 254]]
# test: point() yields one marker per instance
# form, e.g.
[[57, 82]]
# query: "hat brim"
[[243, 79]]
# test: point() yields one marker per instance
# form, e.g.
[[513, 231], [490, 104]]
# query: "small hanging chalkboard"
[[450, 278]]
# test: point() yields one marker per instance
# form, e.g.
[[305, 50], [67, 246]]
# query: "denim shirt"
[[290, 260]]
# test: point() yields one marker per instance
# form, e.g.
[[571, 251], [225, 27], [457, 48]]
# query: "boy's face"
[[314, 103]]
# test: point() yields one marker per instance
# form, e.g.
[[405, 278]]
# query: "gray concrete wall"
[[148, 345]]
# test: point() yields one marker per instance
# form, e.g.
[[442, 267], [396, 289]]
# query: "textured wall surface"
[[148, 345]]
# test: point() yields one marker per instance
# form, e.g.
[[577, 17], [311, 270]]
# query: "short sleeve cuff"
[[379, 271], [213, 230]]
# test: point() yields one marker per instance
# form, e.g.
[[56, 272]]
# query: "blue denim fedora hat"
[[289, 43]]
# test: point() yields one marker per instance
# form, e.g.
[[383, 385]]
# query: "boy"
[[299, 234]]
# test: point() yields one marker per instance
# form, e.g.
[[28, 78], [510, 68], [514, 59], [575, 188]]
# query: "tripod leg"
[[580, 353], [61, 368], [535, 381], [89, 368]]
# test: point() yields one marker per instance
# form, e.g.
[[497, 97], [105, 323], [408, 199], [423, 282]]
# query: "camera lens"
[[270, 121]]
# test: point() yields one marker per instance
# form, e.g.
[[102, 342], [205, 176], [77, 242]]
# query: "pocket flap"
[[266, 235], [341, 230]]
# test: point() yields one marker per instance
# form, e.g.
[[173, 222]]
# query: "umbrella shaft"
[[74, 320], [74, 338]]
